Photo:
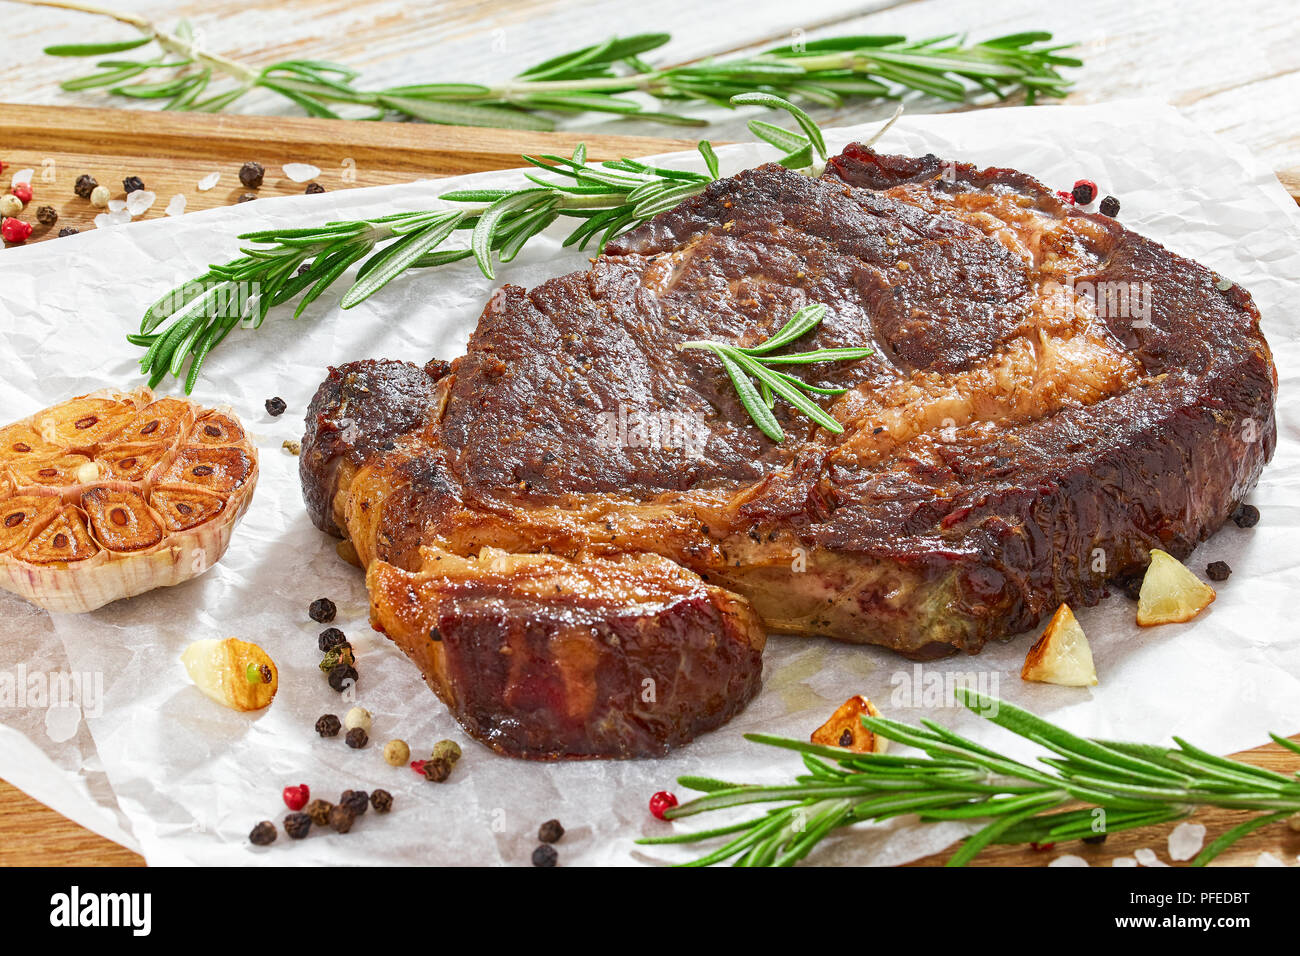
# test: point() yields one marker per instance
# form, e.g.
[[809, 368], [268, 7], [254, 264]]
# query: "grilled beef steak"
[[1050, 396]]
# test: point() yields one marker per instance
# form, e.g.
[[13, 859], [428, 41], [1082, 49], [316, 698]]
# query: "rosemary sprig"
[[742, 363], [587, 80], [280, 265], [1087, 784]]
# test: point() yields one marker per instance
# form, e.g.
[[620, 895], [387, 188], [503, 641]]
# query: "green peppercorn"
[[319, 811], [447, 750], [339, 654]]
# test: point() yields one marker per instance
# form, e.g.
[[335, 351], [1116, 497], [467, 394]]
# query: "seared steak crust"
[[1050, 396], [542, 657]]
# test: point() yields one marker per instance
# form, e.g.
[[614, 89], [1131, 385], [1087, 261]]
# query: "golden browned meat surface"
[[1050, 396]]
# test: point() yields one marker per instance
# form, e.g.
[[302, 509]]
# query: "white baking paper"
[[192, 778]]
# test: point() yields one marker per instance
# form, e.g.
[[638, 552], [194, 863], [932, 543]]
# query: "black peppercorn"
[[68, 231], [263, 834], [247, 197], [322, 610], [1217, 570], [355, 800], [550, 831], [250, 174], [341, 819], [1246, 516], [304, 268], [314, 188], [84, 185], [341, 675], [1084, 192], [1109, 207], [545, 855], [328, 725], [132, 183], [275, 406], [297, 825], [330, 638], [436, 769], [319, 811], [382, 801], [357, 738], [46, 216], [1095, 839]]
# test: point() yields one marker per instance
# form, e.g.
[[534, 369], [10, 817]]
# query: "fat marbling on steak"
[[1050, 396]]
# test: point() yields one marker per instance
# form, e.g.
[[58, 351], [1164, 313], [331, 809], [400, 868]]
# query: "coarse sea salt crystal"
[[1123, 861], [1147, 857], [300, 172], [139, 201], [1069, 859], [1186, 840], [176, 205], [1268, 859], [116, 205], [22, 176], [105, 219], [208, 181]]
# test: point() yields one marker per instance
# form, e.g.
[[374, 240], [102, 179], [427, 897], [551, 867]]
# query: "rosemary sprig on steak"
[[743, 363], [1089, 788], [588, 80], [280, 265]]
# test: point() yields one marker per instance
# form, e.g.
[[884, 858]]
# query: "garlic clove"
[[1062, 655], [1171, 594], [236, 674], [845, 729]]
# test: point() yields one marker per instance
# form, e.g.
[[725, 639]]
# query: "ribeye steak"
[[579, 535]]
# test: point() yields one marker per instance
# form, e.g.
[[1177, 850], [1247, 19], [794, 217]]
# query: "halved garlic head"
[[1062, 655], [115, 493], [845, 729], [236, 674], [1171, 594]]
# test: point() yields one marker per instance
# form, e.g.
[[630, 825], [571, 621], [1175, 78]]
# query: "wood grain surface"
[[1244, 85]]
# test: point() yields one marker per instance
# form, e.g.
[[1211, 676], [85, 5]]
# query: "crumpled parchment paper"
[[191, 778]]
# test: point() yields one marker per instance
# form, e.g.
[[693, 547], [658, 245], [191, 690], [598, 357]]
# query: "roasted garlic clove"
[[1171, 594], [236, 674], [845, 729], [1062, 655]]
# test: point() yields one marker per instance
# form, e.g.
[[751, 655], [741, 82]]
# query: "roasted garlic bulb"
[[113, 494]]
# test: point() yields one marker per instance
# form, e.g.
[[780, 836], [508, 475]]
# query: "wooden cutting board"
[[171, 153]]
